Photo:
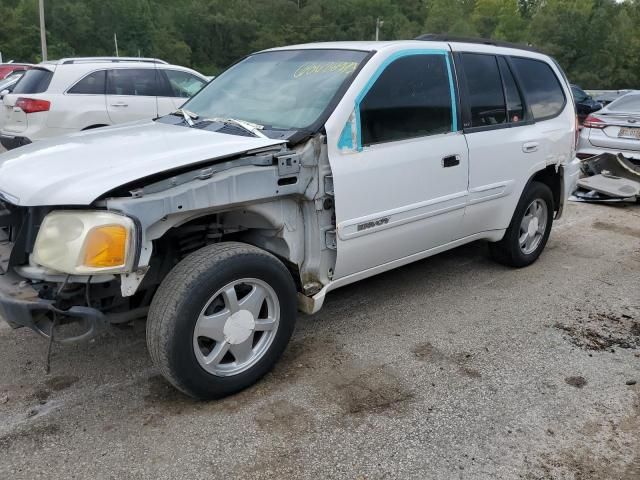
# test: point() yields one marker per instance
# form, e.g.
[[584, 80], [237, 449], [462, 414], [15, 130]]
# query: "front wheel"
[[221, 319], [529, 229]]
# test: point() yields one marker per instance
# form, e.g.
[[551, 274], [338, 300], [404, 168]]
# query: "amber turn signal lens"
[[106, 247]]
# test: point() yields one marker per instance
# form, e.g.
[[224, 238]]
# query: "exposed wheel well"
[[188, 237], [553, 179]]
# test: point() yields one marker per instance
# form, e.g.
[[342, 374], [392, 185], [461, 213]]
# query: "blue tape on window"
[[454, 110], [381, 68], [346, 140]]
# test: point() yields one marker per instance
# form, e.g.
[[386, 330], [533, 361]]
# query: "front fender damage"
[[270, 194]]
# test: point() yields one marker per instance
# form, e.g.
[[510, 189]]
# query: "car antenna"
[[157, 77]]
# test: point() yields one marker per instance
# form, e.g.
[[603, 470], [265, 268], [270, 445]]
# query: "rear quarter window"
[[542, 89], [36, 80], [92, 84]]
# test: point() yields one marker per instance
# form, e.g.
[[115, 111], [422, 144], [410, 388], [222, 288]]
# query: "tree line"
[[596, 41]]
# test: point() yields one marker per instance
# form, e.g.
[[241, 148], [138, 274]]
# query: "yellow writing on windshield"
[[344, 68]]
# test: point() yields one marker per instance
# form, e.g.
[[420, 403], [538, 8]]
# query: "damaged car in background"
[[609, 145], [609, 177], [295, 172], [613, 129]]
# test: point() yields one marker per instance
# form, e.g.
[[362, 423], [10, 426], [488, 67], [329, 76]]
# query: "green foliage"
[[596, 41]]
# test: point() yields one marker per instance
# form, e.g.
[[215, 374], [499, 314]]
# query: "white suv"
[[297, 171], [64, 96]]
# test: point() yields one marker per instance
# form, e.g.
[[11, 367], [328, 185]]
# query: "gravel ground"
[[452, 367]]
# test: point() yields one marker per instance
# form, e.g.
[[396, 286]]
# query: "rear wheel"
[[529, 229], [221, 319]]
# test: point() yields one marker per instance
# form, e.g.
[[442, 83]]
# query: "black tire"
[[507, 251], [185, 292]]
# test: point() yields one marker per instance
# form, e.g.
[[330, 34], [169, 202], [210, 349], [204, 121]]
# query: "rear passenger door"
[[505, 144], [132, 94], [84, 105]]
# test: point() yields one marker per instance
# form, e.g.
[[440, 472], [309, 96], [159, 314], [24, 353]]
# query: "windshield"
[[628, 103], [286, 89]]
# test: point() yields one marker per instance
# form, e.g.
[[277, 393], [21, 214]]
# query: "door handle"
[[530, 147], [450, 161], [119, 105]]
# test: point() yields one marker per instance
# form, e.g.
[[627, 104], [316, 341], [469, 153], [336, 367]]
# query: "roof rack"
[[68, 61], [436, 37]]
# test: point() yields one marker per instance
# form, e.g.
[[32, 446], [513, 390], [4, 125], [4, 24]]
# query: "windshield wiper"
[[188, 116], [248, 126]]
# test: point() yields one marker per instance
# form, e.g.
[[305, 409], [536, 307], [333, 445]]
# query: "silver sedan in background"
[[613, 129]]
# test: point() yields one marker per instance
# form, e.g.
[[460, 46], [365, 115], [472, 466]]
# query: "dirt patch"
[[426, 352], [54, 384], [61, 382], [163, 397], [307, 356], [10, 393], [163, 400], [282, 416], [603, 331], [615, 458], [35, 434], [374, 390], [41, 395], [470, 372], [622, 229], [577, 382]]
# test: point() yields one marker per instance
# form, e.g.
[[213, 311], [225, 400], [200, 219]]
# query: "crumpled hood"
[[77, 169]]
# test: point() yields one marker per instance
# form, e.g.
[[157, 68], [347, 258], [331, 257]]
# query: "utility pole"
[[43, 32], [115, 40], [379, 24]]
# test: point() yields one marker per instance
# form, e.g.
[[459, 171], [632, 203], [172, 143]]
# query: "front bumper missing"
[[20, 306]]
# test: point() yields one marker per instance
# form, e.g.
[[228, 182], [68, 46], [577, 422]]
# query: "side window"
[[541, 87], [411, 98], [486, 97], [515, 108], [92, 84], [578, 94], [134, 82], [183, 84]]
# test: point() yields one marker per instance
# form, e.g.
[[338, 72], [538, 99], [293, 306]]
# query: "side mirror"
[[5, 92]]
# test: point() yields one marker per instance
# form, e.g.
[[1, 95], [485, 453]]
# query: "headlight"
[[84, 243]]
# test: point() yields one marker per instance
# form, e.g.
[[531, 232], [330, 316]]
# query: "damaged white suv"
[[295, 172]]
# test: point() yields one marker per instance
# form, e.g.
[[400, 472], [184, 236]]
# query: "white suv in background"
[[73, 94]]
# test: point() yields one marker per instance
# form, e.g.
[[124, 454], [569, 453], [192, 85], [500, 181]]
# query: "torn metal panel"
[[609, 177], [612, 165], [581, 195], [611, 185]]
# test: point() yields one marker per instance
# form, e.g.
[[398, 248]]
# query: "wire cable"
[[54, 322]]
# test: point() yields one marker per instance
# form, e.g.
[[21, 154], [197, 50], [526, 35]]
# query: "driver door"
[[401, 189]]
